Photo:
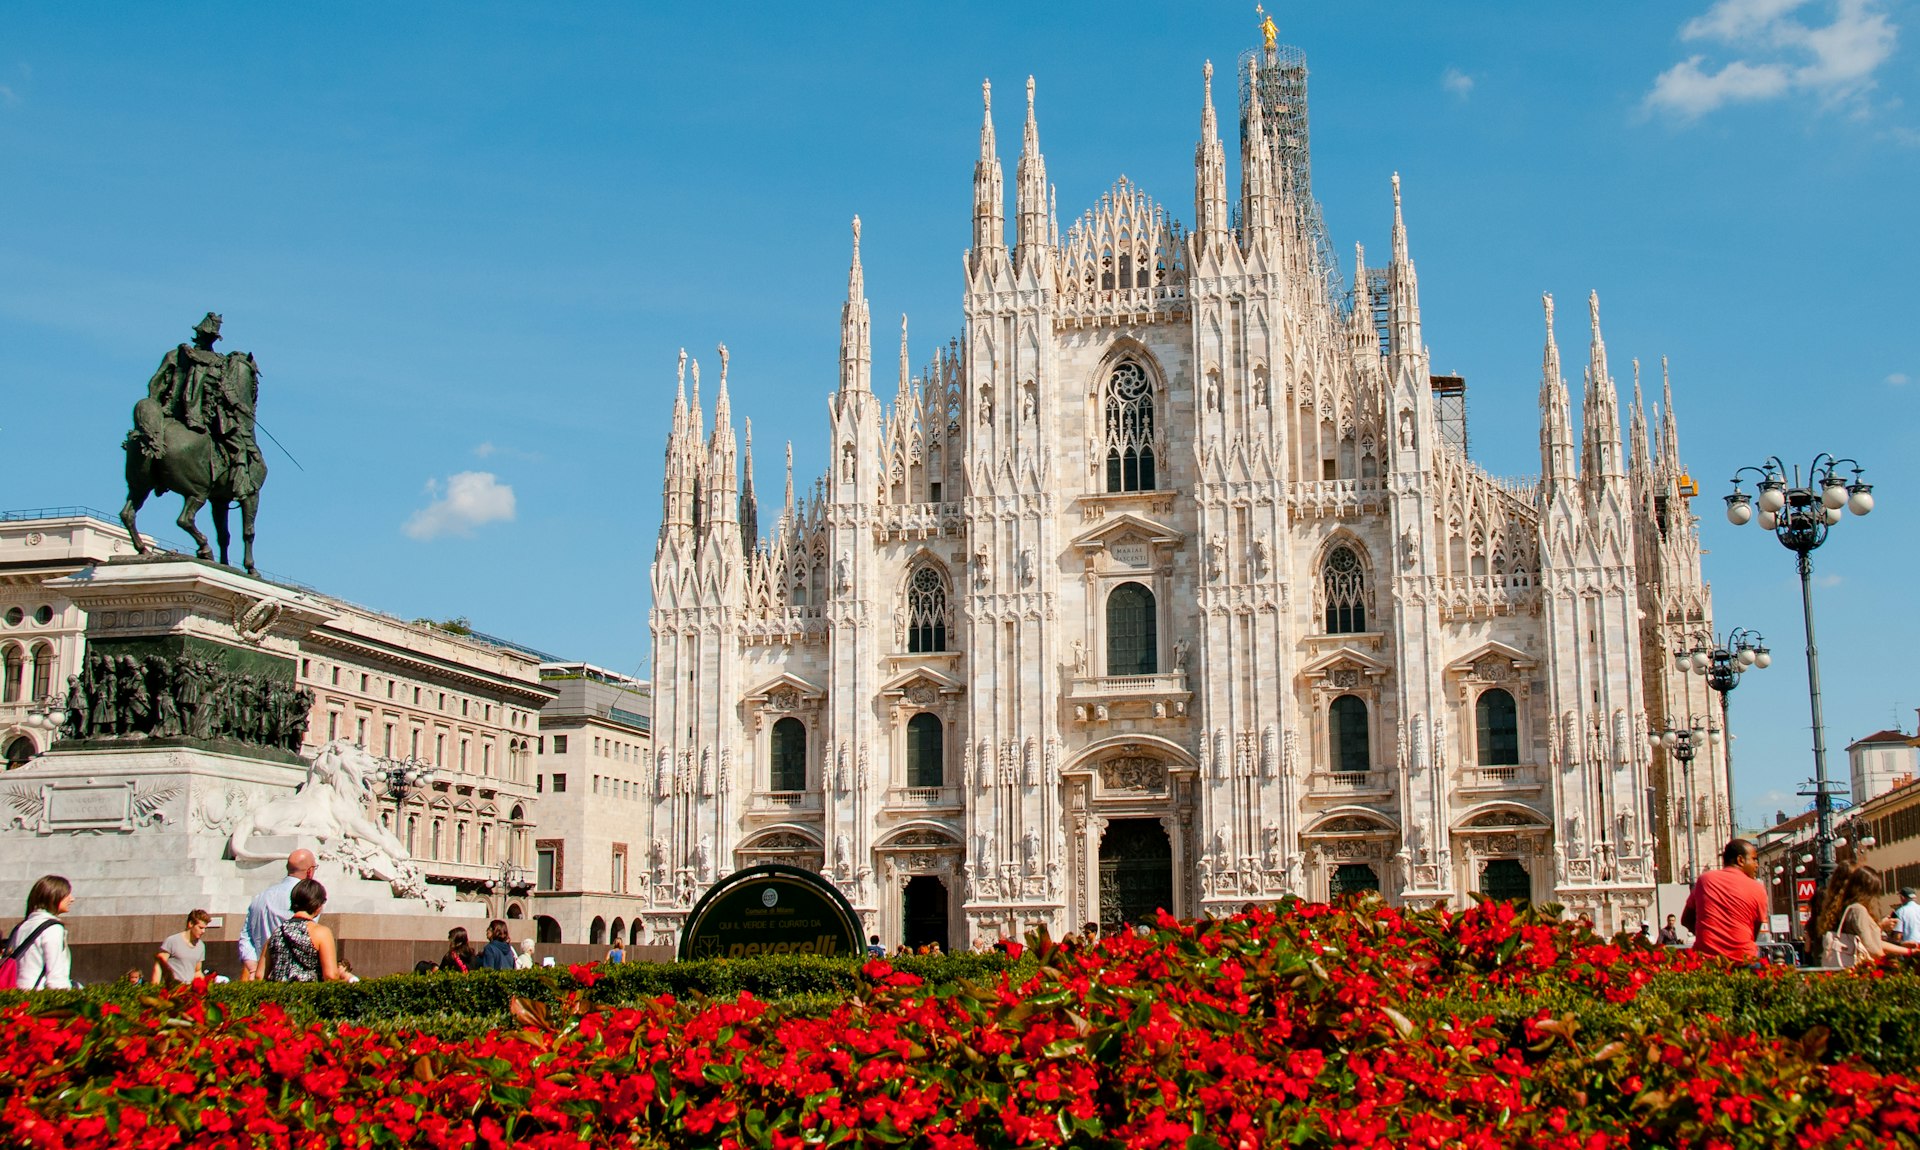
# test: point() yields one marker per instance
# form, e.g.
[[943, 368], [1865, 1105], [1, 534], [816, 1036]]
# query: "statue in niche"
[[1182, 650], [986, 404], [843, 575], [1262, 557], [1027, 571], [1030, 851], [1077, 657], [1029, 402], [847, 463], [1216, 558]]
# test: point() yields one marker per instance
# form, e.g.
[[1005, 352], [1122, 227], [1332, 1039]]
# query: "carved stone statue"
[[193, 434], [332, 807]]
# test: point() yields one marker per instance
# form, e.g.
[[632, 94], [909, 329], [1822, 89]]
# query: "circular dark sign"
[[771, 909]]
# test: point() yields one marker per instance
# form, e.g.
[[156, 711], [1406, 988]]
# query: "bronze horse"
[[165, 455]]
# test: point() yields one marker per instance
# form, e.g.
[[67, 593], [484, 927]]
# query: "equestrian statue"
[[193, 435]]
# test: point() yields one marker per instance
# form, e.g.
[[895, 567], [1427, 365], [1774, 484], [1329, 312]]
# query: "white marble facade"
[[1170, 558]]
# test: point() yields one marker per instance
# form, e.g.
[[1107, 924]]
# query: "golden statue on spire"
[[1267, 29]]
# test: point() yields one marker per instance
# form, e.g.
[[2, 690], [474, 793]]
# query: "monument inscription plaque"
[[771, 909]]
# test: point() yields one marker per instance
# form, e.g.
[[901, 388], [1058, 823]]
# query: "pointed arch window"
[[42, 672], [1344, 582], [15, 670], [926, 611], [1347, 731], [1132, 631], [1129, 429], [926, 746], [1498, 727], [789, 756]]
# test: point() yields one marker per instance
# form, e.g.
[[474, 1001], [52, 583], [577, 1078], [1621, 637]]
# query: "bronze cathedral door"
[[1136, 873]]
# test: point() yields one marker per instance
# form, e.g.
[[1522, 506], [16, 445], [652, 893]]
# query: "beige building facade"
[[594, 778], [1169, 583]]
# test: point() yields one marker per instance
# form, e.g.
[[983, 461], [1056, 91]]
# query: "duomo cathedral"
[[1169, 583]]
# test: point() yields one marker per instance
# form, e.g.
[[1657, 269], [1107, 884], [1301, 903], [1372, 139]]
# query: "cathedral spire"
[[1258, 190], [1600, 409], [1209, 176], [749, 504], [786, 516], [1669, 428], [1557, 469], [856, 329], [1032, 232], [989, 196], [722, 475], [677, 490], [1642, 457], [906, 372], [1403, 298]]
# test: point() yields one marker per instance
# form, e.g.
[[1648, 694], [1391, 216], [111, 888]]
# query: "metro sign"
[[1803, 888]]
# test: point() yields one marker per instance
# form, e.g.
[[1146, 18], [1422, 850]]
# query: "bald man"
[[269, 909]]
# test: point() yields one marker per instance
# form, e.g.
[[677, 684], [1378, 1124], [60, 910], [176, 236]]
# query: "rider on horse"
[[210, 393]]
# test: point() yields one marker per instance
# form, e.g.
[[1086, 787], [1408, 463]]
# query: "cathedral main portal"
[[1136, 873]]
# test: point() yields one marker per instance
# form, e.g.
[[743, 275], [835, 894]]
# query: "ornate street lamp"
[[1799, 514], [404, 775], [507, 879], [1683, 743], [1722, 660]]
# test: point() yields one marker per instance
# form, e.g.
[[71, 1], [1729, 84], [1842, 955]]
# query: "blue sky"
[[467, 241]]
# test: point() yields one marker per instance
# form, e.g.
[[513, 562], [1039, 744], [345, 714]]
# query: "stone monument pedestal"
[[178, 786]]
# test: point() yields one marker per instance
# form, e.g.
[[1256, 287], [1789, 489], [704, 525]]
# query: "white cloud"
[[485, 449], [1457, 82], [466, 501], [8, 95], [1778, 53], [1898, 379]]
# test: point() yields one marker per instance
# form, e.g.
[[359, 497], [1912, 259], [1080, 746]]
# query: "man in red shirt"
[[1729, 906]]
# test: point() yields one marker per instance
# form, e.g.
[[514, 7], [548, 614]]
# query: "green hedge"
[[453, 1005], [1875, 1019]]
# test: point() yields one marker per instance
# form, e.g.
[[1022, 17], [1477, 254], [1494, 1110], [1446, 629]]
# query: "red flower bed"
[[1312, 1027]]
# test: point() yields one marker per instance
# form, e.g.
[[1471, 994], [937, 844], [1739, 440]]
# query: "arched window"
[[1347, 735], [1498, 724], [926, 747], [926, 611], [1132, 639], [15, 669], [1129, 429], [1345, 585], [789, 756], [42, 672], [597, 933]]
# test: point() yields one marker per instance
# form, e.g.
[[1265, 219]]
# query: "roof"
[[1900, 738]]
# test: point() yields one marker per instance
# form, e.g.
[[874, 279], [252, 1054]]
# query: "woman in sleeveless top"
[[302, 950]]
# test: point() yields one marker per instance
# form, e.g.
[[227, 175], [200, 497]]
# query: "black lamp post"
[[1723, 660], [1799, 514], [1683, 743]]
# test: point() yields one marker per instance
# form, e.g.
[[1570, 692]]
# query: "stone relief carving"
[[1133, 773]]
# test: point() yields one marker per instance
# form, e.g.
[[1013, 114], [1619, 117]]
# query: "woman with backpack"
[[37, 949], [460, 955]]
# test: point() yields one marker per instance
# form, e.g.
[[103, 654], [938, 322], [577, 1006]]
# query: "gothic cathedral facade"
[[1170, 584]]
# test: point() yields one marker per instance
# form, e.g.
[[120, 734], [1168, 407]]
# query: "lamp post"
[[507, 878], [1799, 514], [1683, 743], [44, 718], [1722, 660]]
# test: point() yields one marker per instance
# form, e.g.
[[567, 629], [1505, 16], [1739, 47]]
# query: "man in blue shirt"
[[1909, 916], [269, 909]]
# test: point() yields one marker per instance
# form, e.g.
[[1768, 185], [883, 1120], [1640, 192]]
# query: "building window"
[[413, 835], [1498, 725], [1129, 429], [463, 754], [619, 870], [336, 676], [439, 750], [413, 744], [559, 744], [486, 758], [926, 611], [1347, 728], [789, 756], [437, 826], [460, 842], [1132, 631], [42, 671], [360, 732], [544, 872], [559, 784], [388, 751], [333, 725], [363, 683], [1345, 585], [926, 746], [483, 857], [16, 669]]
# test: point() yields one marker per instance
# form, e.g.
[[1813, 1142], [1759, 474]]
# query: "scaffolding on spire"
[[1280, 84]]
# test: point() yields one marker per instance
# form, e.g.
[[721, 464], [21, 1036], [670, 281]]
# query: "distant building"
[[42, 634], [1880, 761], [437, 694], [595, 740], [465, 705]]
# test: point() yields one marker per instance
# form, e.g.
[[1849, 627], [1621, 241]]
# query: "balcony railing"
[[1495, 778], [1166, 682], [1349, 782], [924, 797], [785, 801]]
